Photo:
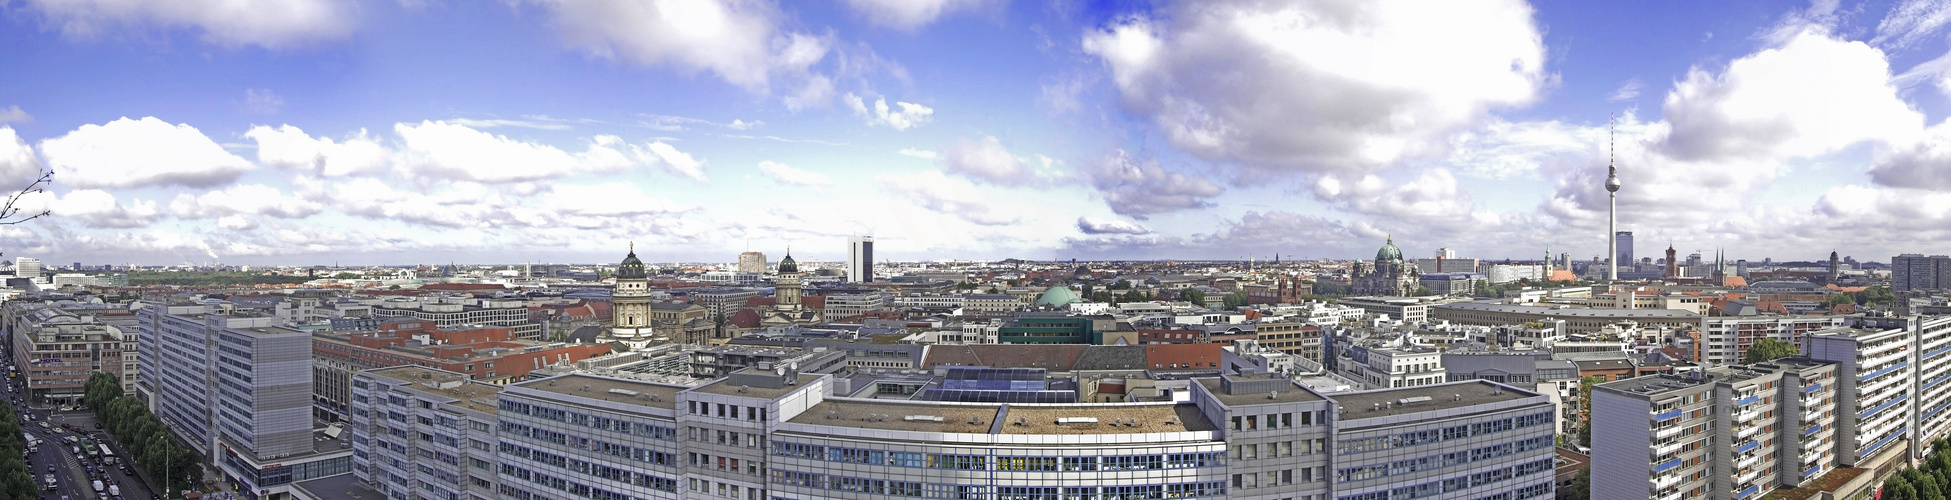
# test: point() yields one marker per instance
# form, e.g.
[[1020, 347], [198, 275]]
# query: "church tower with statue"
[[630, 305]]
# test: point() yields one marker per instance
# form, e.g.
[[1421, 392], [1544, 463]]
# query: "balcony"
[[1666, 481], [1751, 399], [1667, 449], [1747, 462], [1747, 446], [1668, 432], [1746, 415], [1748, 478], [1746, 431]]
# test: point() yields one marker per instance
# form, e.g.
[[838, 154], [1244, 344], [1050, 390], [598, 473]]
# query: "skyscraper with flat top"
[[1624, 240], [860, 259]]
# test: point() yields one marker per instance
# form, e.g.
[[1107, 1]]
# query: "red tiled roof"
[[746, 318], [757, 301]]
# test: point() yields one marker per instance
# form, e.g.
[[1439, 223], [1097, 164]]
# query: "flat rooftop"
[[862, 414], [1016, 419], [634, 392], [472, 395], [1142, 418], [1356, 405], [340, 486], [724, 386], [1292, 393], [1571, 312]]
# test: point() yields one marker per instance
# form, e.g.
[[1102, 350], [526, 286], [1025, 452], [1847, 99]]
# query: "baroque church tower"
[[630, 304], [787, 291]]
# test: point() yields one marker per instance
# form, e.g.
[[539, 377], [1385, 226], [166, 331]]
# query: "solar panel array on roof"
[[983, 396], [995, 379]]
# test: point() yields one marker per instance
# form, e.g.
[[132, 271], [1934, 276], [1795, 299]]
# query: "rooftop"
[[1571, 312], [614, 390], [1016, 419], [955, 418], [345, 486], [477, 396], [1293, 394], [1393, 402], [1040, 419], [725, 387]]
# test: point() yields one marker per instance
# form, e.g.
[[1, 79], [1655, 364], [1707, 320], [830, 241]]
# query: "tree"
[[1234, 300], [1423, 291], [1765, 350], [1193, 295], [993, 290], [1585, 409], [1122, 284], [1132, 296], [718, 322], [1580, 487], [1104, 296]]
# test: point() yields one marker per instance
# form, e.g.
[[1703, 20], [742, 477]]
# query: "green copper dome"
[[787, 265], [631, 269], [1389, 252], [1057, 296]]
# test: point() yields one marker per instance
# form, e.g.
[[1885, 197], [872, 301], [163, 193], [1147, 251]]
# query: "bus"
[[108, 456]]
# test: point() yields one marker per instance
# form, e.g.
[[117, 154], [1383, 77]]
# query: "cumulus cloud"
[[911, 14], [93, 208], [248, 200], [783, 174], [918, 153], [987, 161], [289, 147], [272, 24], [934, 191], [909, 116], [497, 122], [17, 161], [1501, 149], [1139, 188], [1814, 94], [1112, 226], [458, 152], [1626, 92], [1284, 86], [1924, 164], [739, 41], [13, 114], [1254, 234], [146, 152]]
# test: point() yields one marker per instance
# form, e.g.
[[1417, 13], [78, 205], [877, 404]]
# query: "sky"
[[433, 131]]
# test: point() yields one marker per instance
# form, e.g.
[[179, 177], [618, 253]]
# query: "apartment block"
[[1732, 432], [56, 349], [1725, 339], [1875, 401]]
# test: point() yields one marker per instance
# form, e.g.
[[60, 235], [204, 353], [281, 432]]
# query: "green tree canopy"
[[1765, 350], [1194, 296]]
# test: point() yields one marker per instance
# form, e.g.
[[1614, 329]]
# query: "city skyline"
[[397, 133]]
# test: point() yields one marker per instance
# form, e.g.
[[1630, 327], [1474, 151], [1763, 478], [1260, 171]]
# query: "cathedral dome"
[[1057, 296], [787, 265], [1389, 252], [631, 269]]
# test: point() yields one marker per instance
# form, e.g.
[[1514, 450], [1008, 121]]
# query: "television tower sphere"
[[1612, 180]]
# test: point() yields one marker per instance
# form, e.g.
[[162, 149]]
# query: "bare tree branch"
[[10, 214]]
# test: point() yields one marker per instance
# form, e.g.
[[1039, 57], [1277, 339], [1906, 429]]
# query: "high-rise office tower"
[[1623, 240], [751, 262], [860, 259], [27, 267]]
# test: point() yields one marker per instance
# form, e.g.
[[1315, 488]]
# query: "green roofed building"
[[1057, 297]]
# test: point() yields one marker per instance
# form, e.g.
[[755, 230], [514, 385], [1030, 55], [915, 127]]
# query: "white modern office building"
[[860, 259], [239, 387], [427, 433], [771, 433]]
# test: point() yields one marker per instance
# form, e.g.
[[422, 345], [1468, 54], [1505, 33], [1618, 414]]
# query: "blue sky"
[[425, 131]]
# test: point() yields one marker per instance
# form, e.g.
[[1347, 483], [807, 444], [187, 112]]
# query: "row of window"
[[1002, 463], [1423, 437], [1433, 489], [1209, 489], [568, 464], [1434, 462], [592, 421]]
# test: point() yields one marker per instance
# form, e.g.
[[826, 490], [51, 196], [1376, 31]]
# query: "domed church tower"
[[630, 303], [787, 287]]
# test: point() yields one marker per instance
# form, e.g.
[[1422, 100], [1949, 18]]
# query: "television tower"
[[1612, 206]]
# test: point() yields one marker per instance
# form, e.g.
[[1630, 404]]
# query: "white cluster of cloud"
[[1320, 87], [909, 115], [913, 14], [743, 42], [273, 24], [792, 176]]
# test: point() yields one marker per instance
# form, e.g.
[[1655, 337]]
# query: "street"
[[71, 471]]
